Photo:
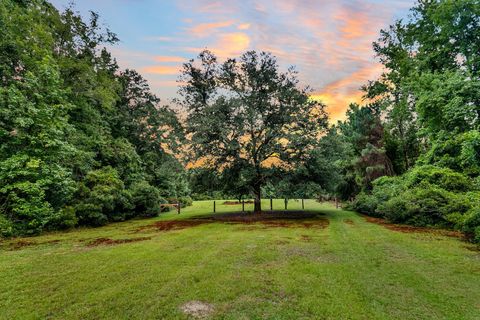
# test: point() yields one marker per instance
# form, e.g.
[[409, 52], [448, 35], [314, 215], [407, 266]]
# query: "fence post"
[[243, 205], [271, 204], [303, 205], [178, 208], [214, 206]]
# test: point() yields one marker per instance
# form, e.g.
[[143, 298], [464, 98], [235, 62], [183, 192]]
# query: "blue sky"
[[329, 41]]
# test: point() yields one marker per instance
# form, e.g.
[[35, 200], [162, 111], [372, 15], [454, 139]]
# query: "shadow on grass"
[[267, 219]]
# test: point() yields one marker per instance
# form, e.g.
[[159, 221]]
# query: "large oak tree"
[[245, 112]]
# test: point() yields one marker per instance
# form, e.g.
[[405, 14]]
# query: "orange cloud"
[[243, 26], [232, 44], [356, 24], [205, 29], [227, 45], [339, 94], [161, 69]]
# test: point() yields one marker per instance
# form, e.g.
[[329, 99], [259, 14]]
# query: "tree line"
[[85, 143], [81, 141], [412, 154]]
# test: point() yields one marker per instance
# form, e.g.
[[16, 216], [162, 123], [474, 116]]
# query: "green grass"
[[355, 270]]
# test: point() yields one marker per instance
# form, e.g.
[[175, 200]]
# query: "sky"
[[328, 41]]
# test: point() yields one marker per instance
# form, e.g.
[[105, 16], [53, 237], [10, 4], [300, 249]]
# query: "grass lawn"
[[347, 268]]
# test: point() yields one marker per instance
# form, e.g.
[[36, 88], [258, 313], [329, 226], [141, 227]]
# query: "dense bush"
[[471, 223], [146, 199], [425, 205], [63, 219], [102, 198], [425, 196], [442, 177], [364, 203], [6, 227]]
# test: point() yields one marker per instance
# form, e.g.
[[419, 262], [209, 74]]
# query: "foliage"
[[146, 199], [424, 196], [78, 136], [428, 109], [102, 197], [245, 112]]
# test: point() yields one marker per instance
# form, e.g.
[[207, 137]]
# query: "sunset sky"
[[329, 41]]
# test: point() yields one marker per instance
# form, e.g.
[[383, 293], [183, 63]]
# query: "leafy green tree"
[[429, 99], [245, 112], [364, 133], [431, 87], [80, 141]]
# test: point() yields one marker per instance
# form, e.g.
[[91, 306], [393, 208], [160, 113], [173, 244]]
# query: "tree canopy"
[[81, 141], [245, 112]]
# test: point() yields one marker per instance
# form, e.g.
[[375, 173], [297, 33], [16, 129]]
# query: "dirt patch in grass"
[[23, 243], [270, 219], [233, 203], [17, 245], [412, 229], [349, 221], [305, 238], [173, 225], [110, 242], [474, 248], [197, 309]]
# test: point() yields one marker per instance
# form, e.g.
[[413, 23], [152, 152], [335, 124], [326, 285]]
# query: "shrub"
[[102, 198], [365, 203], [471, 224], [6, 227], [185, 201], [424, 205], [426, 196], [443, 177], [146, 199], [31, 192], [26, 205], [63, 219]]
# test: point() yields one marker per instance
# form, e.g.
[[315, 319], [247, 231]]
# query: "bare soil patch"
[[269, 219], [20, 244], [412, 229], [17, 245], [474, 248], [305, 238], [110, 242], [173, 225], [197, 309], [349, 221]]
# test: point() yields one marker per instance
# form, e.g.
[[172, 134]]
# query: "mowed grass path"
[[351, 269]]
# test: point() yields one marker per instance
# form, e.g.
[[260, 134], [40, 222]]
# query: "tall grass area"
[[349, 269]]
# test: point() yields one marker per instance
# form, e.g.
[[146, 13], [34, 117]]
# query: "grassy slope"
[[346, 271]]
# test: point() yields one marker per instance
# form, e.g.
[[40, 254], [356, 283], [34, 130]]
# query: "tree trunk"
[[257, 206]]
